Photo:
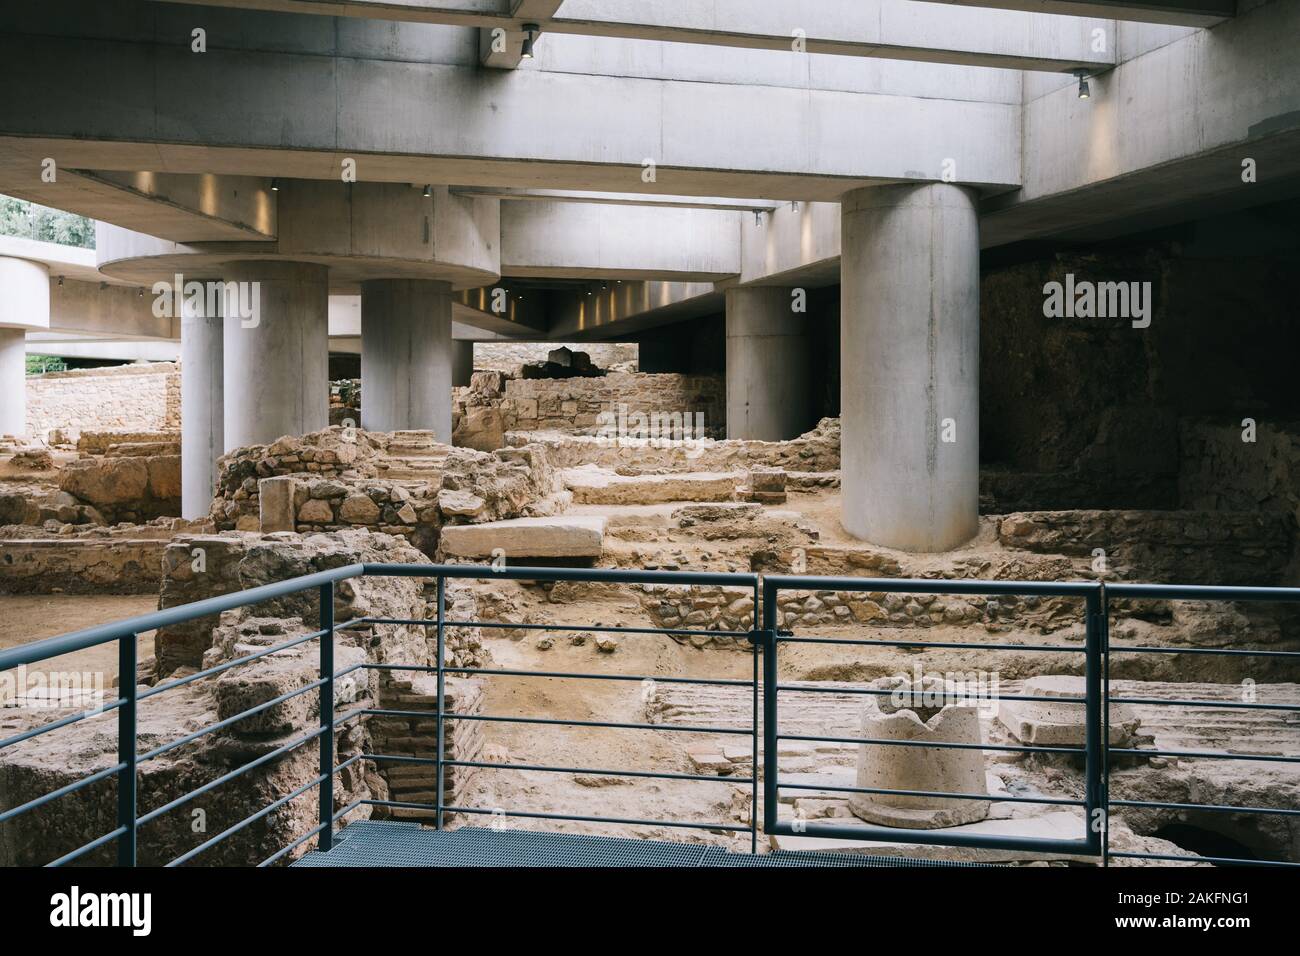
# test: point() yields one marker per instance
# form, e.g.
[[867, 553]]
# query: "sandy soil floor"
[[592, 749], [28, 618]]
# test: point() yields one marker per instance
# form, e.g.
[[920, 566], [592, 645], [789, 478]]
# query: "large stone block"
[[275, 501], [564, 536], [107, 482], [606, 487], [1063, 724], [164, 476]]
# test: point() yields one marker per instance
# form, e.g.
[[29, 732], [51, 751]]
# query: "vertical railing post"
[[126, 749], [442, 644], [770, 748], [755, 650], [1094, 807], [1104, 624], [325, 841]]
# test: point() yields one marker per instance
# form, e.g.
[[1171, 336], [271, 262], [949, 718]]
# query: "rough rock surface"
[[126, 487], [397, 483], [232, 562]]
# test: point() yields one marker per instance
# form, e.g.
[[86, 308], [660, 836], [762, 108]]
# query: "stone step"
[[604, 486], [561, 536]]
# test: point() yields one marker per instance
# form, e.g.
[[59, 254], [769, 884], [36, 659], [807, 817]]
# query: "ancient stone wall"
[[1222, 469], [1184, 547], [1087, 412], [86, 565], [133, 481], [629, 403], [98, 443], [816, 451], [402, 483], [140, 398]]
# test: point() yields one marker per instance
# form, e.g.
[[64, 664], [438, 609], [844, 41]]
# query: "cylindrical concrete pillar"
[[909, 351], [462, 362], [768, 365], [202, 406], [13, 382], [24, 304], [406, 356], [275, 351]]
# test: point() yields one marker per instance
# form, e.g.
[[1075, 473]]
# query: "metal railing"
[[1176, 592], [606, 576], [766, 637], [1090, 838]]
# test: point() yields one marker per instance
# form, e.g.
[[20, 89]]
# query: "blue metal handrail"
[[129, 758], [766, 637], [1088, 844]]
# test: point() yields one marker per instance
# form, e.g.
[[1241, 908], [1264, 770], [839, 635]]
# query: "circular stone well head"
[[930, 710]]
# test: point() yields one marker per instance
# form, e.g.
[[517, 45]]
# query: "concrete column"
[[24, 304], [202, 406], [909, 351], [768, 365], [406, 356], [13, 382], [275, 351], [462, 362]]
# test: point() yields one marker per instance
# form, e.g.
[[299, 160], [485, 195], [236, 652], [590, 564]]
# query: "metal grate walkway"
[[383, 843]]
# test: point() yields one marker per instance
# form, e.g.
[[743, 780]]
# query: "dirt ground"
[[594, 749], [28, 618]]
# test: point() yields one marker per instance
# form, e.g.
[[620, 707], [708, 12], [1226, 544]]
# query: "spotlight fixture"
[[1084, 92], [275, 185], [530, 36], [60, 281], [142, 293], [428, 190]]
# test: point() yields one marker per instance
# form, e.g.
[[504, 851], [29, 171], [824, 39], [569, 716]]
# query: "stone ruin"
[[116, 478], [546, 492], [43, 764], [402, 483]]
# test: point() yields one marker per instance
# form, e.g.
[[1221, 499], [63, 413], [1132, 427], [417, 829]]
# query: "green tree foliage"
[[36, 364], [29, 221]]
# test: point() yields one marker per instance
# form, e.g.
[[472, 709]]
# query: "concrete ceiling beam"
[[198, 208], [274, 113], [617, 199], [596, 241], [1183, 13], [889, 29]]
